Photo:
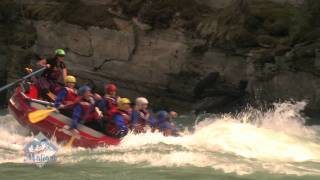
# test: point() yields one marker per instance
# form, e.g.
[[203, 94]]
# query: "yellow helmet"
[[122, 102], [70, 79]]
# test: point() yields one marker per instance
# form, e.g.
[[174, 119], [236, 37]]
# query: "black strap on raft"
[[22, 79]]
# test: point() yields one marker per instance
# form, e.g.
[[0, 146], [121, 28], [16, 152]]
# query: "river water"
[[273, 144]]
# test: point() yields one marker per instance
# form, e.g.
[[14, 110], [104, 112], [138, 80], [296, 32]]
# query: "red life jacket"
[[71, 97], [111, 101], [112, 106], [112, 128], [89, 113], [33, 92]]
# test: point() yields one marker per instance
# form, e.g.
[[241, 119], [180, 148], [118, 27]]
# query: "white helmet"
[[141, 100]]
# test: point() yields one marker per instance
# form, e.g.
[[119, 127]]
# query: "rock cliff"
[[191, 54]]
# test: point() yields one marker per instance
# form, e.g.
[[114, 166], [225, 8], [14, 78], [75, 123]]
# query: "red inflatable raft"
[[54, 126]]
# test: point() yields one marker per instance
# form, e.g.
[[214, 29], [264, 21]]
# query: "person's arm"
[[101, 105], [76, 116], [134, 118], [63, 69], [123, 129], [64, 73], [60, 97], [152, 122]]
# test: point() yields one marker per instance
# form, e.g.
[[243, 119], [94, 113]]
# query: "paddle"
[[70, 143], [39, 115], [22, 79], [73, 136]]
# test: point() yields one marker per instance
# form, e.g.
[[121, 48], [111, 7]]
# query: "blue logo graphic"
[[40, 151]]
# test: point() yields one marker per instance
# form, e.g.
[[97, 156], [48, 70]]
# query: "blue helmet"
[[84, 89]]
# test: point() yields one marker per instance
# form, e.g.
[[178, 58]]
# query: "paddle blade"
[[70, 143], [39, 115]]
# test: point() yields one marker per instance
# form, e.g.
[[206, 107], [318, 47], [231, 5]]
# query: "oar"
[[70, 143], [73, 136], [39, 115], [22, 79]]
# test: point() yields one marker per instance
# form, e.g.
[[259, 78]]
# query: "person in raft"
[[119, 125], [165, 125], [67, 97], [53, 77], [141, 118], [86, 111]]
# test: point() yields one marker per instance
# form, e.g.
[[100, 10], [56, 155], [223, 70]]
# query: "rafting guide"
[[40, 151]]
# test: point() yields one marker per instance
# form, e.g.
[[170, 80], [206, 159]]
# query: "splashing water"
[[275, 141]]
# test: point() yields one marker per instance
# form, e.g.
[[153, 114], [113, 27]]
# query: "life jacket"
[[50, 80], [54, 72], [71, 97], [112, 128], [89, 113], [111, 101], [142, 120], [32, 91], [112, 106]]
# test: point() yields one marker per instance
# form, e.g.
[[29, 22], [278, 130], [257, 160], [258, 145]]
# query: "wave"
[[276, 141]]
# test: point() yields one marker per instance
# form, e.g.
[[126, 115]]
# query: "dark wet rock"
[[267, 41], [95, 15], [208, 82], [262, 56], [317, 59], [281, 50], [216, 95], [3, 78]]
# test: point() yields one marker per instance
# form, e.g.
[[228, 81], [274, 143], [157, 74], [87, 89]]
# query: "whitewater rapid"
[[276, 141]]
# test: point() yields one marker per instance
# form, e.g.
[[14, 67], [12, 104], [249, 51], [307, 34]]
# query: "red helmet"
[[111, 88]]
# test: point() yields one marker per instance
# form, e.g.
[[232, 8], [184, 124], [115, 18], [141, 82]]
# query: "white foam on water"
[[13, 138], [275, 141]]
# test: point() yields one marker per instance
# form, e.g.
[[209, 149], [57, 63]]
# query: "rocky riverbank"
[[204, 55]]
